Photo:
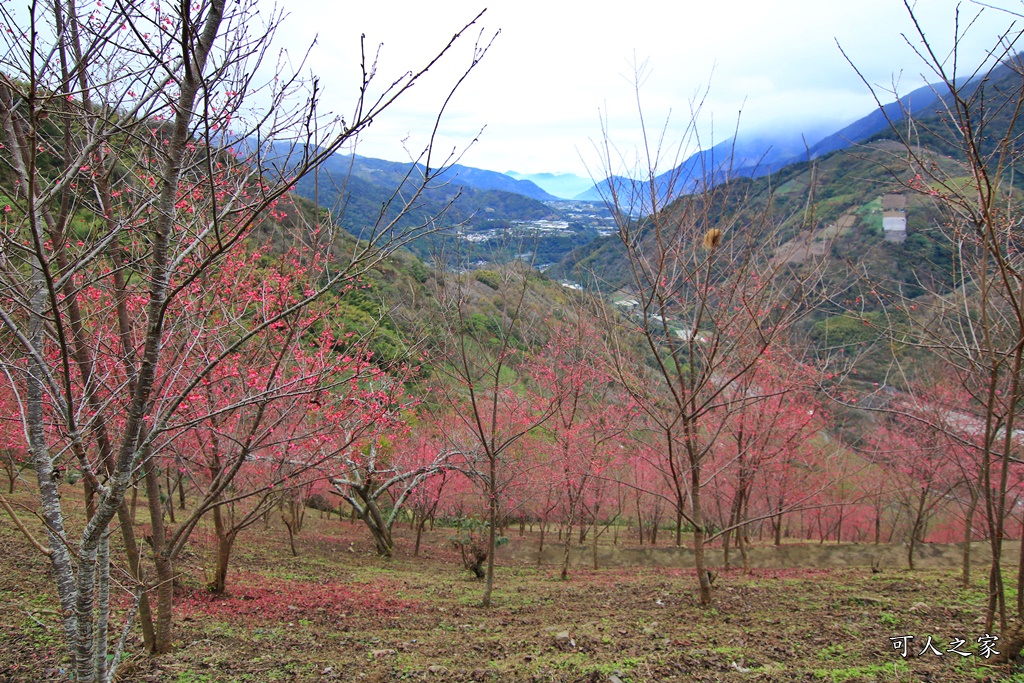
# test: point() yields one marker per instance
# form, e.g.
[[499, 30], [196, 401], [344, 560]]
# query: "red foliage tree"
[[769, 426], [918, 461], [587, 417]]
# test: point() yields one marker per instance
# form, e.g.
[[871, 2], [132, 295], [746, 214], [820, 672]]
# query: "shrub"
[[470, 540]]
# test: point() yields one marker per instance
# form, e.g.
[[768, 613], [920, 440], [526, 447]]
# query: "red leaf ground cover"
[[257, 597]]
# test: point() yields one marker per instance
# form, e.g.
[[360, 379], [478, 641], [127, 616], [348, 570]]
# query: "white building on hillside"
[[894, 217]]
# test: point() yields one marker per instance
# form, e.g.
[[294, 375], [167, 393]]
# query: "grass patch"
[[874, 672]]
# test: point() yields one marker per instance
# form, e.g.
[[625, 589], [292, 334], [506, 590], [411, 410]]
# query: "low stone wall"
[[809, 556]]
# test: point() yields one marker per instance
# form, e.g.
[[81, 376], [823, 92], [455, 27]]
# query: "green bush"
[[488, 277]]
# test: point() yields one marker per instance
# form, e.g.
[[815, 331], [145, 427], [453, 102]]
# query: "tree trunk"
[[225, 541], [734, 519], [14, 469], [131, 549], [698, 561], [492, 516], [540, 548], [419, 535], [164, 602], [1020, 583], [291, 536], [565, 554], [375, 522], [161, 560], [224, 546], [698, 539], [910, 549], [639, 521], [99, 648], [170, 495], [917, 528], [965, 576], [878, 526], [742, 540], [181, 491]]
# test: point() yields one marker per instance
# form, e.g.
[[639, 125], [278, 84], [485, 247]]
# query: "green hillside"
[[839, 198]]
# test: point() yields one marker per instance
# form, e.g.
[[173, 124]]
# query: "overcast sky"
[[556, 67]]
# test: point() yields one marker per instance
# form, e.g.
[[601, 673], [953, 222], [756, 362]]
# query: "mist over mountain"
[[878, 121], [562, 185], [755, 155]]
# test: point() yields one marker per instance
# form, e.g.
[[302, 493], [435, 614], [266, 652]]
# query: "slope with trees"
[[126, 191]]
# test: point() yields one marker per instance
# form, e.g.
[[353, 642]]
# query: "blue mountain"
[[741, 156], [562, 185]]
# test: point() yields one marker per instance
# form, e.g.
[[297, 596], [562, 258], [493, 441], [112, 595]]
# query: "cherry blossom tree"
[[127, 186], [763, 438], [918, 461], [391, 468], [13, 455], [587, 416], [710, 298], [977, 327], [480, 359]]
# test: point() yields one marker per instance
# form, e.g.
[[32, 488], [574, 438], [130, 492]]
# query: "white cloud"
[[556, 64]]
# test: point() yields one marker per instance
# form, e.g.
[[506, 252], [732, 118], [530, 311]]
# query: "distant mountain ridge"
[[562, 185], [862, 129], [752, 157], [385, 172], [492, 180], [740, 156]]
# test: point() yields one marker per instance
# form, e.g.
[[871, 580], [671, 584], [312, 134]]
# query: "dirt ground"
[[336, 612]]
